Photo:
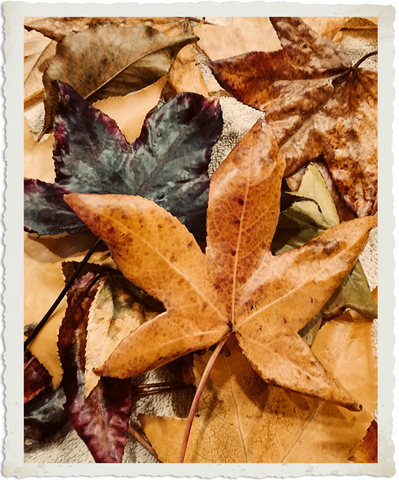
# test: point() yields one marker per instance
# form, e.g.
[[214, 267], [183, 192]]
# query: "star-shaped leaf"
[[237, 285], [168, 163], [317, 103]]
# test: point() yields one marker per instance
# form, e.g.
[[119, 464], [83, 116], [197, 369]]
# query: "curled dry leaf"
[[109, 60], [317, 103], [242, 419], [164, 164], [101, 420], [305, 221], [237, 286]]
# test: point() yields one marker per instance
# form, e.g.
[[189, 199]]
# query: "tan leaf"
[[243, 35], [326, 26], [112, 316], [237, 286], [130, 111], [242, 419], [185, 75], [43, 281], [38, 52]]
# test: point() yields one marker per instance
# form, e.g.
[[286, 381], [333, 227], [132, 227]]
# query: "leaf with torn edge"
[[305, 221], [168, 163], [317, 103], [242, 419], [238, 285], [109, 60], [101, 420]]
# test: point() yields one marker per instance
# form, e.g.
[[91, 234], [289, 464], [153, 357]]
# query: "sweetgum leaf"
[[101, 419], [36, 377], [109, 60], [237, 285], [168, 163], [317, 103]]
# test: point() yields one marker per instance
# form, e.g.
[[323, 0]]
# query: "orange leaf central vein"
[[157, 252], [237, 255]]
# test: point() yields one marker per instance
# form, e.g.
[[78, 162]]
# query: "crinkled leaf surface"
[[58, 27], [168, 163], [305, 221], [109, 60], [101, 420], [242, 419], [36, 377], [238, 285], [317, 103]]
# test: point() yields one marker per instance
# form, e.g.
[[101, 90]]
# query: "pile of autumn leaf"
[[294, 368]]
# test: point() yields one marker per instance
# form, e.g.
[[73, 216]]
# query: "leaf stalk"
[[64, 291], [197, 397]]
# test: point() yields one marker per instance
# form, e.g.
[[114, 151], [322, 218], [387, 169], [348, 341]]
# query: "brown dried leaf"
[[237, 285], [185, 75], [318, 105], [242, 419], [109, 60], [244, 34], [58, 27]]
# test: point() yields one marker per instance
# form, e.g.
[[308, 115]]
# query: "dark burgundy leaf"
[[168, 163], [101, 420], [36, 377], [45, 416]]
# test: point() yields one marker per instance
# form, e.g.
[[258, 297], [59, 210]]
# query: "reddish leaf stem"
[[50, 311], [163, 384], [197, 397], [143, 442]]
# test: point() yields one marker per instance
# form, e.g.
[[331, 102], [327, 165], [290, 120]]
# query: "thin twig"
[[143, 442], [197, 397], [50, 311], [163, 384]]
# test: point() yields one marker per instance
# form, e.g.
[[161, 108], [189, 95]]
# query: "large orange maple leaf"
[[237, 286]]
